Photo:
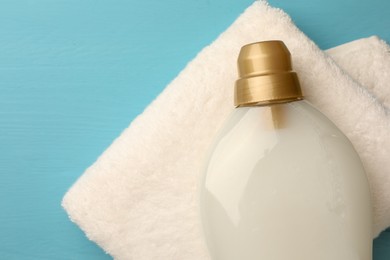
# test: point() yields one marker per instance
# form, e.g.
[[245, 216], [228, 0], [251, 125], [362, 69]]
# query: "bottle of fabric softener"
[[282, 181]]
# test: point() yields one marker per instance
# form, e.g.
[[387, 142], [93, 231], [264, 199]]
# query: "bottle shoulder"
[[294, 117]]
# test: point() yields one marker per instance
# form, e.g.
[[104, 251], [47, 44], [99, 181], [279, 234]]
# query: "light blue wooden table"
[[73, 74]]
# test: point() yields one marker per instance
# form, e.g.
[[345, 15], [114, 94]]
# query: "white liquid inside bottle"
[[283, 182]]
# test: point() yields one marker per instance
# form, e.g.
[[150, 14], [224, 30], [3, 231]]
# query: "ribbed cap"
[[266, 75]]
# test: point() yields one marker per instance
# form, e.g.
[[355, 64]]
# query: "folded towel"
[[139, 199], [368, 62]]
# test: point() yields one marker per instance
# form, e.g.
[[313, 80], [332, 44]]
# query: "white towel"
[[368, 62], [139, 199]]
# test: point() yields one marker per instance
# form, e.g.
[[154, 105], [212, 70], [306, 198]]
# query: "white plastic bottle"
[[282, 182]]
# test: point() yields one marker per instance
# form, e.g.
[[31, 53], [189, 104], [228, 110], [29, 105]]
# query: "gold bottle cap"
[[266, 75]]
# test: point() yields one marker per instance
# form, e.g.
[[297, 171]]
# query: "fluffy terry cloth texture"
[[368, 62], [139, 200]]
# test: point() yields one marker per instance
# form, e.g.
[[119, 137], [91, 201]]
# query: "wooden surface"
[[73, 75]]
